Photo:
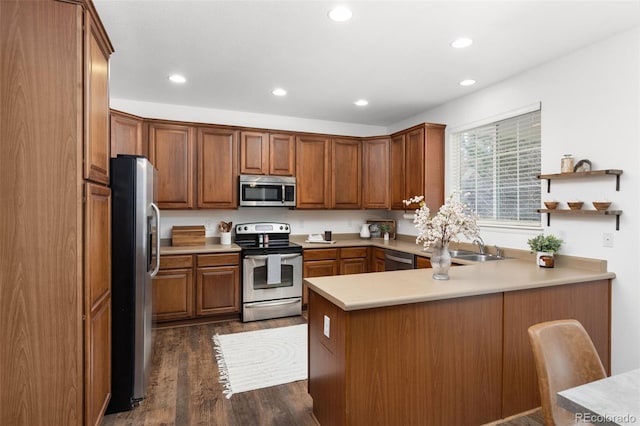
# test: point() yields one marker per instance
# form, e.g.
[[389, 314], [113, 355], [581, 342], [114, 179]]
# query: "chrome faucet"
[[480, 244], [498, 251]]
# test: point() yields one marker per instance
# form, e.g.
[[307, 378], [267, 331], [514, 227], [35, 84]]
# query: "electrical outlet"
[[327, 326], [607, 239], [208, 224]]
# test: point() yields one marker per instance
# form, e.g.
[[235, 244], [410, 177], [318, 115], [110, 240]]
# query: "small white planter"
[[545, 259]]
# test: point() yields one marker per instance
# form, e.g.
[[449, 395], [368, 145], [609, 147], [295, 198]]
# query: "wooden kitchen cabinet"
[[55, 296], [173, 289], [346, 173], [217, 168], [375, 173], [313, 172], [218, 284], [318, 263], [417, 165], [377, 259], [97, 50], [423, 262], [126, 134], [264, 153], [354, 260], [171, 151]]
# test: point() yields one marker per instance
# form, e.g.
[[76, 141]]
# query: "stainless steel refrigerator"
[[135, 261]]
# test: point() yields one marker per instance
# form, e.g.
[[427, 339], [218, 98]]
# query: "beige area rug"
[[262, 358]]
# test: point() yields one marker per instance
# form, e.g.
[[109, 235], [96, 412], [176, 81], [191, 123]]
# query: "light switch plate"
[[327, 326]]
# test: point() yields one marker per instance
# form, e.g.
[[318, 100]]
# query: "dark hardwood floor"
[[184, 389]]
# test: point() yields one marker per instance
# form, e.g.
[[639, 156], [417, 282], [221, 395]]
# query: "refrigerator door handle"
[[157, 215]]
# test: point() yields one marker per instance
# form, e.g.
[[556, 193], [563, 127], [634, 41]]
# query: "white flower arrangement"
[[453, 218]]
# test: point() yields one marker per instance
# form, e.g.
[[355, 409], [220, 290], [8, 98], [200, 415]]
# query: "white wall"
[[591, 109], [244, 119]]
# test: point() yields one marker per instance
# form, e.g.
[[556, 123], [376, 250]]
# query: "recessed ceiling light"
[[467, 82], [177, 78], [279, 92], [340, 14], [461, 43], [361, 102]]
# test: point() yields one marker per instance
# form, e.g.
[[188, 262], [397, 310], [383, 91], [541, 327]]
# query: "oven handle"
[[282, 256], [267, 304]]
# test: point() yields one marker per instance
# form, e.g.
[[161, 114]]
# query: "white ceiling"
[[395, 54]]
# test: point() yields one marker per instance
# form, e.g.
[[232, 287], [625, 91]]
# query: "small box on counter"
[[188, 235]]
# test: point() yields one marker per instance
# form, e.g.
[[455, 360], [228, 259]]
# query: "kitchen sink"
[[477, 257], [457, 253]]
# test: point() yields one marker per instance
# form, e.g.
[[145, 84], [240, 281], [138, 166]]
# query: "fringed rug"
[[262, 358]]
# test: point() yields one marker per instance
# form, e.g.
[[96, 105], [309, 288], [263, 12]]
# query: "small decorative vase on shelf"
[[440, 262], [545, 259], [386, 236]]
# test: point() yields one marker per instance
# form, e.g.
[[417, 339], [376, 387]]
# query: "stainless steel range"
[[272, 271]]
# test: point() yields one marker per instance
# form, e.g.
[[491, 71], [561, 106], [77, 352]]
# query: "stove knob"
[[245, 228], [281, 227], [286, 228]]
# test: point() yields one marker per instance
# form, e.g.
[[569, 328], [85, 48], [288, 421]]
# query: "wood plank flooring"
[[184, 390]]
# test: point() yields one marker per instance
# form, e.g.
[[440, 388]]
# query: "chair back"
[[565, 357]]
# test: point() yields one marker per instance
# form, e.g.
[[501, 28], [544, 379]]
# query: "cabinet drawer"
[[218, 259], [353, 252], [320, 254], [176, 262]]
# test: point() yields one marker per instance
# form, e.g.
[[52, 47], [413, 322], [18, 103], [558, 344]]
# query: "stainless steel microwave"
[[267, 191]]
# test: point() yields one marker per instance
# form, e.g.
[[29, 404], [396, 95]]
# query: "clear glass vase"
[[440, 262]]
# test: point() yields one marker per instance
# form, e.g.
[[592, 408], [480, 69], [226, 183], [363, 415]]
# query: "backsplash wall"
[[302, 221]]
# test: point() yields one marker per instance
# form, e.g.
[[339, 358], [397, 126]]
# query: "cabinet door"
[[353, 266], [171, 150], [422, 262], [313, 172], [126, 135], [317, 268], [218, 290], [434, 166], [254, 153], [96, 142], [97, 303], [346, 173], [375, 173], [282, 154], [397, 171], [414, 163], [173, 294], [217, 168], [377, 260]]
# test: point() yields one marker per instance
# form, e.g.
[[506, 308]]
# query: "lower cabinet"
[[353, 260], [422, 262], [173, 289], [218, 284], [214, 291], [377, 259]]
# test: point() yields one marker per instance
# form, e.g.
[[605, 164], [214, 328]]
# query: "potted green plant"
[[385, 228], [545, 247]]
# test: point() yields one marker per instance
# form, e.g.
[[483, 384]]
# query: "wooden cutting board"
[[188, 235]]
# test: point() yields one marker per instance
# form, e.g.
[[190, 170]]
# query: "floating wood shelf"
[[613, 172], [615, 213]]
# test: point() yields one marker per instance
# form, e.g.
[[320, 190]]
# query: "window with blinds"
[[495, 168]]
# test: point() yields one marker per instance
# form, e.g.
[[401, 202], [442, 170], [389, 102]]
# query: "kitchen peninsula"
[[401, 348]]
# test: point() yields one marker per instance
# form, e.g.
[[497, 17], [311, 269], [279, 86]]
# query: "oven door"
[[255, 282]]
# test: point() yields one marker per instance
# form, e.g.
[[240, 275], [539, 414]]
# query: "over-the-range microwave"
[[267, 191]]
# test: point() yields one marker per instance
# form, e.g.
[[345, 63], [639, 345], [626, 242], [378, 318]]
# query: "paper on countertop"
[[320, 241]]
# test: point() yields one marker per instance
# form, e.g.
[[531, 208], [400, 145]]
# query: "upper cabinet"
[[263, 153], [313, 172], [171, 150], [127, 134], [96, 147], [375, 173], [346, 173], [217, 168], [417, 165]]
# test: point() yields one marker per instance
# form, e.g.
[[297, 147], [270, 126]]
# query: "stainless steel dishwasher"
[[396, 260]]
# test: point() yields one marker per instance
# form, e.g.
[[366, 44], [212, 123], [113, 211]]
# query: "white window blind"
[[495, 167]]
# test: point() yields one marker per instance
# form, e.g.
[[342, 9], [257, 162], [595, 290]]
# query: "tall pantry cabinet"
[[55, 214]]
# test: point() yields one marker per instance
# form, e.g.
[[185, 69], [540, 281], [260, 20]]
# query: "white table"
[[611, 401]]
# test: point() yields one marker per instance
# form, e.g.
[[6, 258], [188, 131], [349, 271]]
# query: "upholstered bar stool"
[[565, 357]]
